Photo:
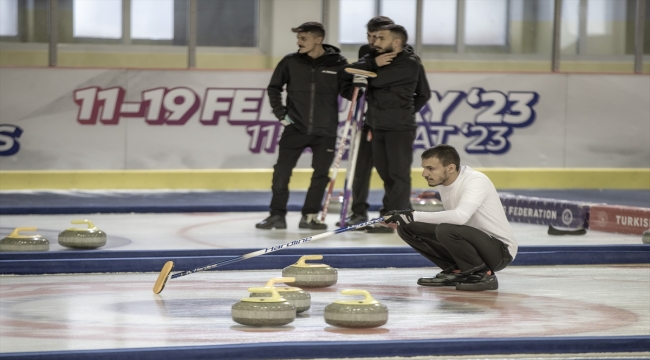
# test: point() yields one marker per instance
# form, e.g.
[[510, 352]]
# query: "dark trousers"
[[393, 155], [292, 144], [453, 247], [362, 173]]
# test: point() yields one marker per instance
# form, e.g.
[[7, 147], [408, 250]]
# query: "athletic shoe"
[[552, 230], [310, 221], [273, 221], [380, 228], [353, 220], [442, 279], [478, 282]]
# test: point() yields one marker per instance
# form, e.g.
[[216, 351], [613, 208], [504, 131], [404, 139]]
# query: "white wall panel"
[[608, 121], [41, 104]]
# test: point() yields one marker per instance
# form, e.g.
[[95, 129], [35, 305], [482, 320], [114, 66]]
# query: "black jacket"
[[365, 50], [397, 93], [312, 91]]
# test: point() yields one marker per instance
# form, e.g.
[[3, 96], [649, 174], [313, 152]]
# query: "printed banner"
[[619, 219], [541, 211], [85, 119]]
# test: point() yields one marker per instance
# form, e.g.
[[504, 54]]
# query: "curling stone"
[[646, 237], [17, 242], [296, 296], [428, 200], [82, 238], [263, 311], [311, 275], [366, 313], [336, 201]]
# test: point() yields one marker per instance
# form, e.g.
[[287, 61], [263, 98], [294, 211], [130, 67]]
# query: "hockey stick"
[[346, 129], [169, 265]]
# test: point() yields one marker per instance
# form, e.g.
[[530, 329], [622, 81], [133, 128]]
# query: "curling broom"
[[169, 265]]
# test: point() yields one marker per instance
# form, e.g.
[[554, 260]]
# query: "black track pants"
[[362, 173], [453, 247], [393, 156], [292, 144]]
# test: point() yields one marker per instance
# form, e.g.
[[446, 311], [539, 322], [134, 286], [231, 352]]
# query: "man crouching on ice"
[[471, 239]]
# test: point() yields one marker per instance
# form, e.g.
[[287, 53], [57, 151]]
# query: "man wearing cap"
[[310, 117]]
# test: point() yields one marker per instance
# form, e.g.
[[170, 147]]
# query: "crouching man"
[[471, 239]]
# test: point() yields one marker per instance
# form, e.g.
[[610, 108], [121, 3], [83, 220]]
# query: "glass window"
[[97, 19], [152, 19], [353, 17], [403, 13], [8, 17], [597, 11], [486, 22], [227, 23], [570, 25], [439, 22]]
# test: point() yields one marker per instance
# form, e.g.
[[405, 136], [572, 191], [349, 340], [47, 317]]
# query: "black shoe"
[[552, 230], [310, 221], [353, 220], [442, 279], [379, 228], [478, 282], [273, 221]]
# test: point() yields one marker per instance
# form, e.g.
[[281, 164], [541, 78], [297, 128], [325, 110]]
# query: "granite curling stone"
[[263, 311], [16, 242], [82, 238], [646, 237], [295, 296], [311, 275], [428, 200], [335, 203], [366, 313]]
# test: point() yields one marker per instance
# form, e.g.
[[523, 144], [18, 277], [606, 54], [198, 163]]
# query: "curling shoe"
[[478, 282], [310, 221], [273, 221], [353, 220], [442, 279]]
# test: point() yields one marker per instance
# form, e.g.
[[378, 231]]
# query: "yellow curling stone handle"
[[14, 234], [271, 283], [91, 226], [301, 261], [275, 296], [367, 300]]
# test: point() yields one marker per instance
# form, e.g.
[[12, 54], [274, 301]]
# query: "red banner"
[[619, 219]]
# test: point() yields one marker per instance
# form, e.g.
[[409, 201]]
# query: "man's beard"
[[388, 49]]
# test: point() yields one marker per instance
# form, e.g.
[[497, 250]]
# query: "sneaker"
[[353, 220], [273, 221], [478, 282], [442, 279], [380, 228], [310, 221]]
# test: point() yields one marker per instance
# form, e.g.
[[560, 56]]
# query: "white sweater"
[[472, 200]]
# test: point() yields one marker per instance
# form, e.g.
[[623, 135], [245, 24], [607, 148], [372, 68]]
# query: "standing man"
[[471, 239], [394, 96], [364, 165], [311, 119]]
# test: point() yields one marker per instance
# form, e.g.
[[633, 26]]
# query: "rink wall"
[[204, 129]]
